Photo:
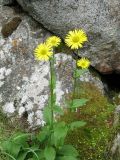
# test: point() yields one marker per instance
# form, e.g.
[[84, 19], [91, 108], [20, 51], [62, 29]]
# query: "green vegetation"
[[7, 128], [93, 140]]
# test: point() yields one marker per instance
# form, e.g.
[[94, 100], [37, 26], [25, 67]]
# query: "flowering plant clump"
[[49, 143]]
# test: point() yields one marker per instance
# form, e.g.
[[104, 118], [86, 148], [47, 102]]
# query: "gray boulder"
[[7, 2], [100, 19]]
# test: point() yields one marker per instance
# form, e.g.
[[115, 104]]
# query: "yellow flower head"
[[84, 63], [43, 52], [53, 41], [75, 39]]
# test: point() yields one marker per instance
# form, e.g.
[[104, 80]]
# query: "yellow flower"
[[84, 63], [53, 41], [43, 52], [75, 39]]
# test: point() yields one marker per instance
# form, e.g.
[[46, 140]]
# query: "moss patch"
[[92, 141]]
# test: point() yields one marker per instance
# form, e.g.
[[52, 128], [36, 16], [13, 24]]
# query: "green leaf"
[[58, 110], [59, 134], [27, 152], [33, 151], [78, 103], [8, 155], [56, 141], [34, 141], [67, 158], [47, 115], [43, 134], [40, 155], [22, 155], [77, 124], [60, 130], [79, 72], [11, 148], [21, 138], [49, 153], [68, 150]]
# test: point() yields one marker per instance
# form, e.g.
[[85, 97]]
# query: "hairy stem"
[[52, 87], [74, 83]]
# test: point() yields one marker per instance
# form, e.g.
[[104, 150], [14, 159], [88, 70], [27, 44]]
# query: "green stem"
[[52, 90], [74, 84]]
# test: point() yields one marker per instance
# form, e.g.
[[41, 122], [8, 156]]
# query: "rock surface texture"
[[24, 82], [100, 19], [115, 149], [7, 2]]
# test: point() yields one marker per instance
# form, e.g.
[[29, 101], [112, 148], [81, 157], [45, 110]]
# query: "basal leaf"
[[78, 103], [68, 150], [33, 151], [49, 153], [21, 138], [11, 148], [77, 124], [22, 155], [40, 154], [60, 130], [8, 155], [43, 134]]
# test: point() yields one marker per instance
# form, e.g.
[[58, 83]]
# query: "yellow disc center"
[[43, 52], [83, 64], [53, 41], [75, 39]]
